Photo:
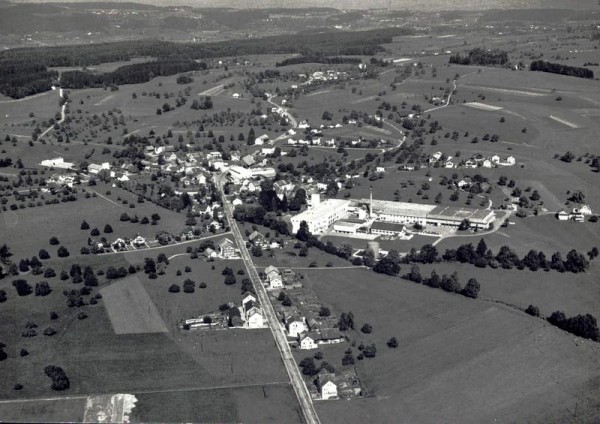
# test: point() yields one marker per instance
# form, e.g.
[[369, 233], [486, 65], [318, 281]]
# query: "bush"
[[3, 296], [85, 226], [23, 289], [82, 315], [367, 329], [54, 241], [202, 285], [63, 252], [49, 273], [393, 343], [23, 352], [174, 288], [534, 311], [49, 331], [18, 386]]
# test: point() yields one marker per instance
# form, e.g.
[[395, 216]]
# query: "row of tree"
[[318, 59], [449, 283], [506, 258], [559, 68], [130, 74], [479, 56]]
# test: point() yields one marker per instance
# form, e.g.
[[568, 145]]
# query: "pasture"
[[130, 309], [451, 349]]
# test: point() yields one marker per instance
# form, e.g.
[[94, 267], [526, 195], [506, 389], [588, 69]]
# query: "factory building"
[[321, 215]]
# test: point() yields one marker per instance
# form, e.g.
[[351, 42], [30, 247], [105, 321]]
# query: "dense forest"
[[318, 59], [24, 71], [20, 79], [130, 74], [481, 57], [558, 68], [325, 43]]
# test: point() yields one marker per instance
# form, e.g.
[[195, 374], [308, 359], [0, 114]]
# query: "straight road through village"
[[304, 399]]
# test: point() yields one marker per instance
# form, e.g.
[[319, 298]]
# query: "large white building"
[[321, 215], [57, 163], [411, 213]]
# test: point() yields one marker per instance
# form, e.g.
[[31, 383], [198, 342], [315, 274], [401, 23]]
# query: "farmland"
[[451, 349]]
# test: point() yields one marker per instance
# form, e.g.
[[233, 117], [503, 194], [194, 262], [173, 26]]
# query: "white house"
[[94, 169], [275, 281], [237, 201], [307, 342], [563, 216], [495, 159], [291, 141], [296, 326], [510, 160], [380, 169], [248, 298], [255, 318], [327, 387], [268, 150], [236, 95], [487, 163]]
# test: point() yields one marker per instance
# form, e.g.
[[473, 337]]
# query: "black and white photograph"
[[300, 212]]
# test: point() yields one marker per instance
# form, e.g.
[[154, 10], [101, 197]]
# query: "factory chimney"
[[371, 202]]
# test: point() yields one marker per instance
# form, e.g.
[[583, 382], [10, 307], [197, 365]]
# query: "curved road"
[[298, 384]]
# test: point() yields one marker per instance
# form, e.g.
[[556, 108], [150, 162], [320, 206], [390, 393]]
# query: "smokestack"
[[370, 201]]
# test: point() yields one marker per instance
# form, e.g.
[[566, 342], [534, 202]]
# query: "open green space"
[[451, 349]]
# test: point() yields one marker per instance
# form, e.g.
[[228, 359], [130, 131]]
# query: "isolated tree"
[[471, 289], [108, 229], [62, 252], [85, 226], [392, 342], [366, 328], [54, 241], [43, 254], [174, 288], [60, 381]]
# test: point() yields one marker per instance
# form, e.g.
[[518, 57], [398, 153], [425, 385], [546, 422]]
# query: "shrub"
[[392, 342], [23, 289], [63, 252], [367, 329], [54, 241], [82, 315], [49, 331], [174, 288], [534, 311], [202, 285], [85, 226]]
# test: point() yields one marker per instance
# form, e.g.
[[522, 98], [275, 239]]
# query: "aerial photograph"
[[303, 212]]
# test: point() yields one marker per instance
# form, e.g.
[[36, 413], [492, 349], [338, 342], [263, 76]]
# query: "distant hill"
[[423, 5]]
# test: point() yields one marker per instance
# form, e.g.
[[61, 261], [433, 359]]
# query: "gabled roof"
[[255, 235], [225, 243]]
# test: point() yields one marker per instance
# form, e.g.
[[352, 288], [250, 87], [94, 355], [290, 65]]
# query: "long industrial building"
[[411, 213]]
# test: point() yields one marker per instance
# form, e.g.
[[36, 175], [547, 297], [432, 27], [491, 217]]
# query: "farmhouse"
[[321, 215], [258, 240], [226, 248], [307, 342], [326, 385], [94, 169], [295, 326]]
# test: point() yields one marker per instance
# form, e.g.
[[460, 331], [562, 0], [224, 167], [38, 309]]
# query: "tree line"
[[506, 258], [481, 57], [22, 78], [130, 74], [318, 59], [559, 68]]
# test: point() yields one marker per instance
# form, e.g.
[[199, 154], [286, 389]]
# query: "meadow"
[[452, 349]]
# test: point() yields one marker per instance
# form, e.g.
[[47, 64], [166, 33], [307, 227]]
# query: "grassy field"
[[63, 221], [38, 411], [262, 404], [452, 349], [130, 309]]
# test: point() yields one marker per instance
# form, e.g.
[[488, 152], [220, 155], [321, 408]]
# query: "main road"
[[304, 398]]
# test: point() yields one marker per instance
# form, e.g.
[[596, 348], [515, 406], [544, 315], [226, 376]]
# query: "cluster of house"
[[577, 214], [224, 249], [329, 75], [476, 161], [252, 312], [257, 239]]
